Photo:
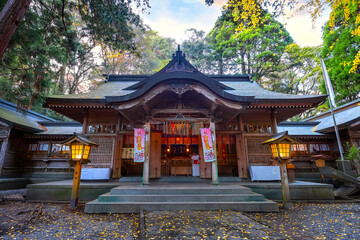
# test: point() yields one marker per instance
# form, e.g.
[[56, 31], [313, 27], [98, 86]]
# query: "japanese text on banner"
[[207, 143], [139, 145]]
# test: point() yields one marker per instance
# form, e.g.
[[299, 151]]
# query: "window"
[[100, 128], [33, 147], [44, 147], [55, 148], [299, 148], [323, 147]]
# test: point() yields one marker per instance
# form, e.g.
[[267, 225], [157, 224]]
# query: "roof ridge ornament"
[[181, 64]]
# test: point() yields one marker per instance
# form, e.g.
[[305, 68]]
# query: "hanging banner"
[[139, 145], [207, 144]]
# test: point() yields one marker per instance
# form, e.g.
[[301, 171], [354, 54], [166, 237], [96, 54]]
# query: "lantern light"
[[80, 147], [280, 145]]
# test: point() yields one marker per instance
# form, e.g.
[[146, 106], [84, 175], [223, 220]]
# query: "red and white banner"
[[139, 145], [208, 146]]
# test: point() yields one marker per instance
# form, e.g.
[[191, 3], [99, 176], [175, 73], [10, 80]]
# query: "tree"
[[52, 52], [255, 51], [340, 50], [151, 54], [198, 50], [12, 12], [344, 14]]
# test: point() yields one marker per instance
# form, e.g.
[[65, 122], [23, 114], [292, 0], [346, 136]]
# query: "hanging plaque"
[[207, 144], [139, 145]]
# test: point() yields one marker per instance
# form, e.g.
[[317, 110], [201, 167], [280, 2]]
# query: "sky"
[[170, 18]]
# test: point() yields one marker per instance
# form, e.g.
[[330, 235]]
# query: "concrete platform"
[[162, 196], [61, 190]]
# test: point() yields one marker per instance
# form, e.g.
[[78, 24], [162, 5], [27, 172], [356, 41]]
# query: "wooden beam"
[[213, 107], [85, 121], [176, 110], [273, 121]]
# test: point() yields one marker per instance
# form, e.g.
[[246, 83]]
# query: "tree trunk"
[[62, 79], [243, 69], [221, 65], [10, 17]]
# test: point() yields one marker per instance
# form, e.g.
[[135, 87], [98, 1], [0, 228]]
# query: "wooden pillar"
[[119, 142], [214, 168], [285, 184], [241, 151], [76, 185], [85, 121], [155, 156], [147, 155], [5, 134], [273, 121]]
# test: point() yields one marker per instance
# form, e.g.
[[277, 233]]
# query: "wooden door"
[[205, 167], [155, 155]]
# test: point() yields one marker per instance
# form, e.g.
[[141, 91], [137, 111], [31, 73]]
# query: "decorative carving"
[[180, 67], [179, 90]]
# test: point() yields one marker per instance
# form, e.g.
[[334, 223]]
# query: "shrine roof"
[[24, 119], [60, 128], [236, 88], [301, 129], [343, 119]]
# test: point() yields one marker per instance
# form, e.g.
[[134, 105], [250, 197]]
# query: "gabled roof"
[[237, 89], [345, 116], [25, 120], [302, 130]]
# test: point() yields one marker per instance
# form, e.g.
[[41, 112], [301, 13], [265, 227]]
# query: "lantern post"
[[280, 145], [80, 147]]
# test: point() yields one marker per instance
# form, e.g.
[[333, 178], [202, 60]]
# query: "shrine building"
[[174, 104]]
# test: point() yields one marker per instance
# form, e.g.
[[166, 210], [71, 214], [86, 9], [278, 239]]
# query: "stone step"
[[135, 207], [110, 197], [163, 190]]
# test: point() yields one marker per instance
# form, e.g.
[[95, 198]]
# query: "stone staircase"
[[132, 197]]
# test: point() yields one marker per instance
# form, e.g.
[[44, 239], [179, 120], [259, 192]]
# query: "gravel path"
[[22, 220]]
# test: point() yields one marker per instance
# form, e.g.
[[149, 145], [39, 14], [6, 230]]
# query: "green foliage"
[[152, 53], [53, 50], [352, 153], [340, 49], [198, 50]]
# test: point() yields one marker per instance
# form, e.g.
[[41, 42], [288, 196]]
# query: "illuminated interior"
[[77, 151], [283, 148]]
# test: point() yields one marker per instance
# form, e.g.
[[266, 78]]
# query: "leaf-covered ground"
[[21, 220]]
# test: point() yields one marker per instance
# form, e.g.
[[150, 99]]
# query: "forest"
[[66, 46]]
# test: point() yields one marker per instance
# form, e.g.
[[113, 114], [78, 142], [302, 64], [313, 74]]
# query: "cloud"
[[171, 18]]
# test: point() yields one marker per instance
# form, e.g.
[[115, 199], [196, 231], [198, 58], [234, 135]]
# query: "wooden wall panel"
[[155, 155], [258, 154], [102, 156]]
